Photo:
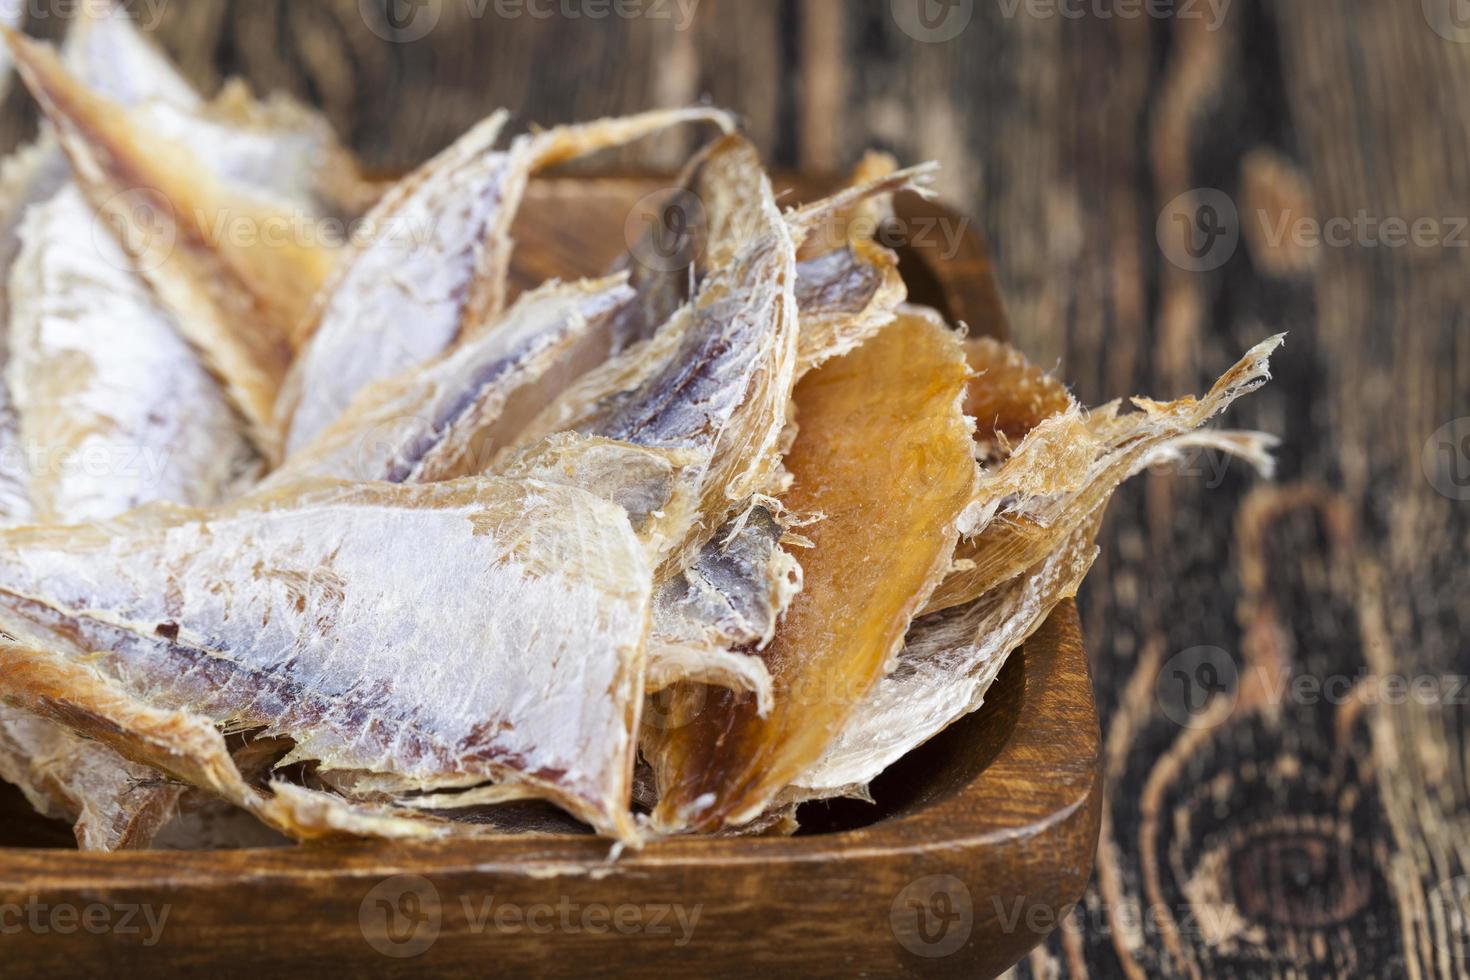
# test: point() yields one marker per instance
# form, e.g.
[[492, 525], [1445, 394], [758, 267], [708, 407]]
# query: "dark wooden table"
[[1280, 666]]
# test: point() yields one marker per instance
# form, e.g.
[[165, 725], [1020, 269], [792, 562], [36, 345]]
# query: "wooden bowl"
[[973, 848]]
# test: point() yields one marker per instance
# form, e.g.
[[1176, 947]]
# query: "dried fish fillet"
[[239, 298], [112, 803], [1070, 464], [948, 663], [847, 286], [425, 425], [1008, 397], [710, 618], [285, 613], [63, 689], [1030, 556], [11, 16], [884, 454], [435, 271], [104, 384], [107, 52], [716, 381], [277, 152]]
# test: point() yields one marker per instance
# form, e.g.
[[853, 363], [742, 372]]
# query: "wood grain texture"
[[1285, 834]]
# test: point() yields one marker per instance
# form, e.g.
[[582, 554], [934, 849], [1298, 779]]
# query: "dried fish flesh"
[[716, 380], [948, 663], [118, 408], [285, 613], [427, 424], [239, 298], [435, 269], [1070, 464], [113, 804], [884, 454], [1032, 553]]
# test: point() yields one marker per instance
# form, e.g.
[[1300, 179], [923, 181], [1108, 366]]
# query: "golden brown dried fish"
[[238, 297], [435, 269], [112, 804], [884, 455], [287, 614], [1040, 511], [1069, 465]]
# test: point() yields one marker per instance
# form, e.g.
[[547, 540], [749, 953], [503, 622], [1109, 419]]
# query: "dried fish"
[[110, 56], [1035, 546], [948, 663], [884, 454], [716, 380], [112, 803], [11, 16], [435, 270], [1070, 464], [847, 286], [427, 424], [118, 408], [284, 612], [239, 298], [51, 679]]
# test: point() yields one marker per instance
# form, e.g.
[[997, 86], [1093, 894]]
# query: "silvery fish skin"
[[423, 426], [284, 612], [238, 298], [716, 381], [847, 286], [112, 802], [270, 148], [99, 374], [28, 177], [109, 54], [434, 270], [49, 677], [276, 151], [11, 16]]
